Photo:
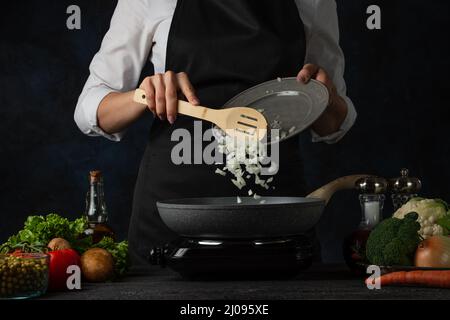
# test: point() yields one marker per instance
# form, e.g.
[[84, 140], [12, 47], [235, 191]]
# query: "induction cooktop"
[[277, 258]]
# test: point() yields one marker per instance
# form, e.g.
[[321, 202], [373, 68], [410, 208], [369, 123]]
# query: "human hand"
[[162, 91]]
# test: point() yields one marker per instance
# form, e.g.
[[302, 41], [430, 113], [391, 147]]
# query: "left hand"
[[333, 117]]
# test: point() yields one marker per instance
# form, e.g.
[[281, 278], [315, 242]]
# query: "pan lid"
[[287, 104]]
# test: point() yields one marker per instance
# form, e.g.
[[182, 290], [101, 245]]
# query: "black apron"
[[225, 47]]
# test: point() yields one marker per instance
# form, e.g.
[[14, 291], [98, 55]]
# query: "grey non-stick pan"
[[225, 218]]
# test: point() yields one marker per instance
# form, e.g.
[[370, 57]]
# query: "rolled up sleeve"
[[118, 64], [323, 49]]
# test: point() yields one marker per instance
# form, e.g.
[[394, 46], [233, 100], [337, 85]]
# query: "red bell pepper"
[[60, 260]]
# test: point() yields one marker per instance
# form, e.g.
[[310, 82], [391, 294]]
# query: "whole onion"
[[59, 244], [434, 252]]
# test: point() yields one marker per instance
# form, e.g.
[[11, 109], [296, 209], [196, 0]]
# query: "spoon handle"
[[184, 107]]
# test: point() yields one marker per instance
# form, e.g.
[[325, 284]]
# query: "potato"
[[97, 265], [59, 244]]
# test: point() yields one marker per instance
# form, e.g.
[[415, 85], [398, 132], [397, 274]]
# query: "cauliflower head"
[[430, 211]]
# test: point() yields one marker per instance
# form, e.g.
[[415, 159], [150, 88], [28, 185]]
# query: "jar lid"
[[371, 185], [405, 184]]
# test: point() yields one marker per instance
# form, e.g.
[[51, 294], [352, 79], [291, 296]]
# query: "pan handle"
[[343, 183]]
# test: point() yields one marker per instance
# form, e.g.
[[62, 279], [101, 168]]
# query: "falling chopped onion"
[[238, 184], [238, 200], [221, 172], [243, 159], [275, 124]]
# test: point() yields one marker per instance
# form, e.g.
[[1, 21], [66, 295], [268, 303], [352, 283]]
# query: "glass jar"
[[372, 210], [371, 199], [23, 275]]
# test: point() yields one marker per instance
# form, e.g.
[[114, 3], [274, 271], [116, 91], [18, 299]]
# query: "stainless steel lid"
[[371, 185], [405, 184]]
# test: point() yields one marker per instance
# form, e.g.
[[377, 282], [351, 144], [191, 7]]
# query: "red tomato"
[[17, 253], [60, 260]]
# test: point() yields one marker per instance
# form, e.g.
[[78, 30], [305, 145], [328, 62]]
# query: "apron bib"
[[225, 47]]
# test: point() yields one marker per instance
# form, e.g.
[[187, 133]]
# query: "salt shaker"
[[403, 188], [371, 197]]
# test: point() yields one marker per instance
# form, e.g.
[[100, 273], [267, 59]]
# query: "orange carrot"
[[427, 278]]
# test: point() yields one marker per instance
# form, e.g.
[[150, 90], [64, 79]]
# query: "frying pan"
[[224, 218]]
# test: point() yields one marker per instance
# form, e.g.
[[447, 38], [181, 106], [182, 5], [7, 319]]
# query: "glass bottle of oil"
[[96, 212]]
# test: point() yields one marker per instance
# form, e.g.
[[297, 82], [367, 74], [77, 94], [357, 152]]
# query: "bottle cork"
[[95, 176]]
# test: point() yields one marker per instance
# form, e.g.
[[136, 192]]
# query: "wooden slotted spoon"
[[240, 122]]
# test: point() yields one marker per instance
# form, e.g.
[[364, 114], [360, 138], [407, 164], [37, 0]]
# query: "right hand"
[[162, 93]]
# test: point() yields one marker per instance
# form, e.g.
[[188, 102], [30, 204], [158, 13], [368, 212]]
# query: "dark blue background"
[[397, 78]]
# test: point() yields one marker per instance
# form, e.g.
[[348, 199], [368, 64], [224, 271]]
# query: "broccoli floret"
[[394, 241]]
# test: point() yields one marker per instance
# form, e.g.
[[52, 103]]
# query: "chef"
[[206, 51]]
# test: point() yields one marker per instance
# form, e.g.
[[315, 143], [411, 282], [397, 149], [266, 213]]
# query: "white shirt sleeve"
[[322, 35], [118, 64]]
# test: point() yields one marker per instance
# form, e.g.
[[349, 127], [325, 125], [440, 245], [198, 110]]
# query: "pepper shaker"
[[403, 188]]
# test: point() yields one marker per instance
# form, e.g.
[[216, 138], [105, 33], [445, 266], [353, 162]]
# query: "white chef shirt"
[[139, 29]]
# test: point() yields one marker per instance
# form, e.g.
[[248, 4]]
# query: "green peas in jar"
[[23, 275]]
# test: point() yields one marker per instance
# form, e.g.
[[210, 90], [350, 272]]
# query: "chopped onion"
[[238, 200], [258, 181], [275, 124], [238, 184], [243, 159], [220, 172]]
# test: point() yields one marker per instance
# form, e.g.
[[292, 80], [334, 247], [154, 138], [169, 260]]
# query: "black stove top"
[[207, 258]]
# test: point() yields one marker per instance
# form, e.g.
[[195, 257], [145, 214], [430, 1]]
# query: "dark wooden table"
[[320, 282]]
